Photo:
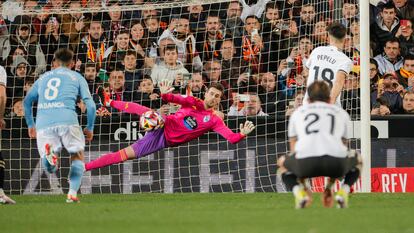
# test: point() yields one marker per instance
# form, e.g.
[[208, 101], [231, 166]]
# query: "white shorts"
[[70, 136]]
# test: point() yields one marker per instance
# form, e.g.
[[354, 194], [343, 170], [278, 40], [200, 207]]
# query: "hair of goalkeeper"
[[217, 86], [319, 91], [64, 56]]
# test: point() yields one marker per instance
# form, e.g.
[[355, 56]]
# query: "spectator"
[[138, 40], [407, 71], [209, 42], [253, 46], [17, 110], [212, 74], [349, 12], [232, 66], [114, 24], [154, 31], [296, 103], [374, 75], [117, 87], [74, 25], [114, 55], [20, 69], [91, 76], [233, 23], [271, 99], [320, 35], [170, 68], [197, 17], [384, 28], [405, 9], [351, 94], [52, 39], [390, 60], [252, 107], [11, 9], [196, 86], [288, 86], [93, 45], [24, 38], [132, 74], [408, 103], [179, 32], [306, 20], [406, 37], [381, 107], [147, 95], [391, 90]]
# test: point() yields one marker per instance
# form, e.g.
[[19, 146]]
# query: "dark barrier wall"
[[206, 165]]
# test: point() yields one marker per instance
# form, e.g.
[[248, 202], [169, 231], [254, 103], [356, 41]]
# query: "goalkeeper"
[[194, 118]]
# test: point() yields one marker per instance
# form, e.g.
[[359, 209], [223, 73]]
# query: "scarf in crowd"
[[251, 54], [291, 80], [405, 73], [210, 49], [93, 55]]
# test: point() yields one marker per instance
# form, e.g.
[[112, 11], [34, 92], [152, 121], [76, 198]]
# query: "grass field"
[[261, 212]]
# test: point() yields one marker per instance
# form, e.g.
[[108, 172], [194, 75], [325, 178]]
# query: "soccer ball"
[[150, 120]]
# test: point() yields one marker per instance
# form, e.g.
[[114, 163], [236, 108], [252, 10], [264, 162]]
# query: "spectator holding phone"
[[406, 37], [252, 106], [391, 90]]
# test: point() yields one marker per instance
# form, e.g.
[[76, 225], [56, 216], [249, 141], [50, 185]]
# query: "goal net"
[[256, 49]]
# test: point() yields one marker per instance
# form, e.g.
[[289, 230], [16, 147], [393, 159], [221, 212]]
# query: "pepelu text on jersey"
[[51, 105], [326, 58]]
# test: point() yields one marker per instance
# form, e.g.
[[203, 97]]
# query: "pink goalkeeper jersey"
[[192, 120]]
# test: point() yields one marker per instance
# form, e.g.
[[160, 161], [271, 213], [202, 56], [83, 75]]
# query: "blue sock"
[[75, 176], [48, 167]]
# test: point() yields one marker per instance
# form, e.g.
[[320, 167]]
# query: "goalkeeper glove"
[[247, 128]]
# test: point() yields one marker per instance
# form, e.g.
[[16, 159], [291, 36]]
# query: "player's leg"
[[128, 107], [74, 142], [327, 196], [153, 141], [287, 167], [49, 145], [4, 199], [354, 163]]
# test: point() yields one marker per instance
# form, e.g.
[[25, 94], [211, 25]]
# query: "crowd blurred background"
[[255, 49]]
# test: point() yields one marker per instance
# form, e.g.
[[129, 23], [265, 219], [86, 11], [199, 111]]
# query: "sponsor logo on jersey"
[[206, 118], [51, 105], [190, 123]]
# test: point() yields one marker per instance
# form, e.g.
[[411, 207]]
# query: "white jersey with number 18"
[[323, 64]]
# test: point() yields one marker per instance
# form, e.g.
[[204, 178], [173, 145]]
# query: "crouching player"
[[318, 143]]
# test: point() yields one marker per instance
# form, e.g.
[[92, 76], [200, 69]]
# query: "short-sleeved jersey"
[[3, 76], [319, 128], [323, 64], [56, 93]]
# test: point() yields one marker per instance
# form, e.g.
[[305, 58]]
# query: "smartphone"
[[291, 64], [244, 98], [404, 23], [53, 20], [187, 77]]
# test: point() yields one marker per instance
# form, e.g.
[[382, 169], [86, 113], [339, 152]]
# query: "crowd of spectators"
[[255, 48]]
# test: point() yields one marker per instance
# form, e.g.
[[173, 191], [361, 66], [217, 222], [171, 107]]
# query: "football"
[[150, 120]]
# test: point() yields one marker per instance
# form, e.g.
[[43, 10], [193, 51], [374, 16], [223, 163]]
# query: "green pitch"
[[262, 212]]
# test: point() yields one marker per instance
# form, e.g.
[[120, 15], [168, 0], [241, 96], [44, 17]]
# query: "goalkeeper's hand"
[[247, 128], [166, 87]]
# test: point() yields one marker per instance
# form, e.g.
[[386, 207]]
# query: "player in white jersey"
[[4, 199], [330, 64], [318, 142], [56, 92]]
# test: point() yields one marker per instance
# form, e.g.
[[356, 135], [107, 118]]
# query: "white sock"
[[346, 188], [1, 192], [73, 193], [296, 189]]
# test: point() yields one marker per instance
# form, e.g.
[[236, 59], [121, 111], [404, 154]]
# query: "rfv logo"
[[131, 132]]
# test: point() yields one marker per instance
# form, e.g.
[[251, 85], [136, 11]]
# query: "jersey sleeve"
[[309, 61], [292, 132], [3, 76], [179, 99], [90, 104], [31, 97], [224, 131], [346, 66]]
